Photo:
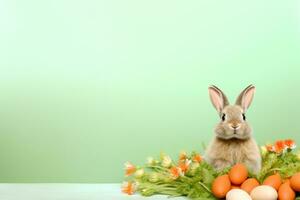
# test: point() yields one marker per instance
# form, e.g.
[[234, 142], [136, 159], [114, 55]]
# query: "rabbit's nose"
[[235, 126]]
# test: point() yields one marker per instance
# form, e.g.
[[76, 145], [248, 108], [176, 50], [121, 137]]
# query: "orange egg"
[[273, 181], [238, 174], [295, 182], [221, 186], [285, 192], [249, 185]]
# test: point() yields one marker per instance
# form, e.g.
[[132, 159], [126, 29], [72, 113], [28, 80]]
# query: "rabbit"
[[233, 142]]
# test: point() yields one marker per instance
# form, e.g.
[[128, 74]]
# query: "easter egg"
[[221, 185], [249, 185], [237, 194], [273, 181], [285, 192], [238, 174], [295, 182], [264, 192]]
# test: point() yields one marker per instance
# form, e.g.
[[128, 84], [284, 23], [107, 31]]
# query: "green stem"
[[158, 167], [205, 187], [276, 169]]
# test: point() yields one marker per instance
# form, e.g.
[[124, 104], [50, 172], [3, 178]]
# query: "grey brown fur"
[[233, 141]]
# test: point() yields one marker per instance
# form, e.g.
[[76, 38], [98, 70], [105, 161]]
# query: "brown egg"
[[295, 182], [273, 181], [221, 186], [238, 174], [249, 185], [285, 192]]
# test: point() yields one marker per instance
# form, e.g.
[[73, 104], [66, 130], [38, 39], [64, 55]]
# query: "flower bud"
[[166, 161], [139, 173], [263, 150]]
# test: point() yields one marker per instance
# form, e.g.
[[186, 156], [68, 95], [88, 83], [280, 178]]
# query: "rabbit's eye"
[[223, 117], [244, 117]]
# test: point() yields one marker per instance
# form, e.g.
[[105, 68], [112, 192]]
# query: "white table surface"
[[59, 191]]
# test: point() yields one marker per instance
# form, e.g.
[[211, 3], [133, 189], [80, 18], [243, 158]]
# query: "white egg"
[[237, 194], [264, 192]]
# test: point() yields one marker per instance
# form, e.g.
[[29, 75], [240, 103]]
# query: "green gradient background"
[[87, 85]]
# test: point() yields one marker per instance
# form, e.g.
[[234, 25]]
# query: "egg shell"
[[264, 192], [221, 185], [285, 192], [295, 182], [249, 185], [273, 181], [237, 194], [238, 174]]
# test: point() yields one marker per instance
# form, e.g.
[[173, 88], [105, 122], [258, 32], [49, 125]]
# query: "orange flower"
[[197, 158], [175, 172], [184, 166], [279, 146], [128, 188], [129, 169], [270, 148], [182, 156], [290, 144]]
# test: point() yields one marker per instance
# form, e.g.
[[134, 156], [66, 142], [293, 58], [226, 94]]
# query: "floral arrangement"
[[189, 175]]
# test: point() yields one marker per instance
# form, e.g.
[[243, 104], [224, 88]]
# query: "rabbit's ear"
[[218, 98], [246, 97]]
